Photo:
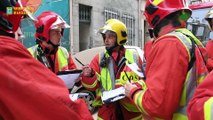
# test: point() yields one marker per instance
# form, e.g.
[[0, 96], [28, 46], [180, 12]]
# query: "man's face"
[[110, 39], [55, 36]]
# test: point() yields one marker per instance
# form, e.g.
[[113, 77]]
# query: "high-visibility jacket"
[[209, 48], [200, 107], [171, 76], [61, 59], [30, 91], [111, 77]]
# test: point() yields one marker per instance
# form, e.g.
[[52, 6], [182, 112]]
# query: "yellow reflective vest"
[[61, 54]]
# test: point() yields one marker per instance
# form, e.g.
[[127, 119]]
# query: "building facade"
[[88, 16]]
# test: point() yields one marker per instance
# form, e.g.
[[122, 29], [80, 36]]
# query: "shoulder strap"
[[42, 58], [192, 52]]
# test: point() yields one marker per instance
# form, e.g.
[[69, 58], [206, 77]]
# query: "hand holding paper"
[[134, 67], [113, 95], [70, 77]]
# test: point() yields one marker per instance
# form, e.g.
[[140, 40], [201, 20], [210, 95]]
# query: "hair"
[[4, 33], [173, 19]]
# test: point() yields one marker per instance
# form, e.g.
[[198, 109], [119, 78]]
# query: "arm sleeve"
[[200, 107], [71, 63], [92, 83]]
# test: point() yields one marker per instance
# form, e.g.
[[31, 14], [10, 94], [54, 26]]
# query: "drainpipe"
[[71, 28]]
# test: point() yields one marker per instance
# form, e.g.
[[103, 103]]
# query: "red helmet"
[[9, 21], [157, 10], [46, 21]]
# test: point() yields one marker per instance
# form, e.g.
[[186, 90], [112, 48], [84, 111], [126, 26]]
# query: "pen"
[[79, 61], [127, 76]]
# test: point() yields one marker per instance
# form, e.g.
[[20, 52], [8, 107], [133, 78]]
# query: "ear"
[[184, 15]]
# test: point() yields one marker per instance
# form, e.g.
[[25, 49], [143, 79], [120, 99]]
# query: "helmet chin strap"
[[47, 50], [110, 49], [54, 46]]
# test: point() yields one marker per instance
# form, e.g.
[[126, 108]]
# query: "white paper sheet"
[[76, 96], [70, 77], [113, 95], [134, 67]]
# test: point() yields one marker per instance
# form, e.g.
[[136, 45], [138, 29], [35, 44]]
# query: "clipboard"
[[69, 72], [70, 77]]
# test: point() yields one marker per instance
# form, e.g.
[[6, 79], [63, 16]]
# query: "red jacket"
[[147, 48], [209, 48], [166, 70], [107, 111], [203, 92], [30, 91]]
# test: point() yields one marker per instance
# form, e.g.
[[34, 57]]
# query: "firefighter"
[[49, 31], [174, 65], [209, 45], [29, 90], [200, 105], [109, 70]]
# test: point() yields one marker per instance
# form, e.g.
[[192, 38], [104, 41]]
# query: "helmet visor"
[[59, 23]]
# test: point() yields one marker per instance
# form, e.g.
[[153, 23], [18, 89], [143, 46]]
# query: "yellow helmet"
[[209, 16], [118, 27]]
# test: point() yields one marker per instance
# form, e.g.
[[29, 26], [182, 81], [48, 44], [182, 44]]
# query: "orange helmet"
[[157, 10], [47, 21], [10, 21]]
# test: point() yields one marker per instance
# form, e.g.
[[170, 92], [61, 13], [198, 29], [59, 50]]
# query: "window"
[[109, 13], [85, 13], [129, 21]]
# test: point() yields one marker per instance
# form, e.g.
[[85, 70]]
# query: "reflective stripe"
[[156, 2], [201, 77], [63, 57], [89, 86], [178, 116], [107, 74], [118, 82], [129, 107], [138, 101], [208, 109], [186, 31], [98, 118], [137, 118], [143, 84], [97, 102], [184, 40], [33, 51]]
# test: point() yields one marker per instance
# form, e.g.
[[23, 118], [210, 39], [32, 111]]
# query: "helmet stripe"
[[156, 2]]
